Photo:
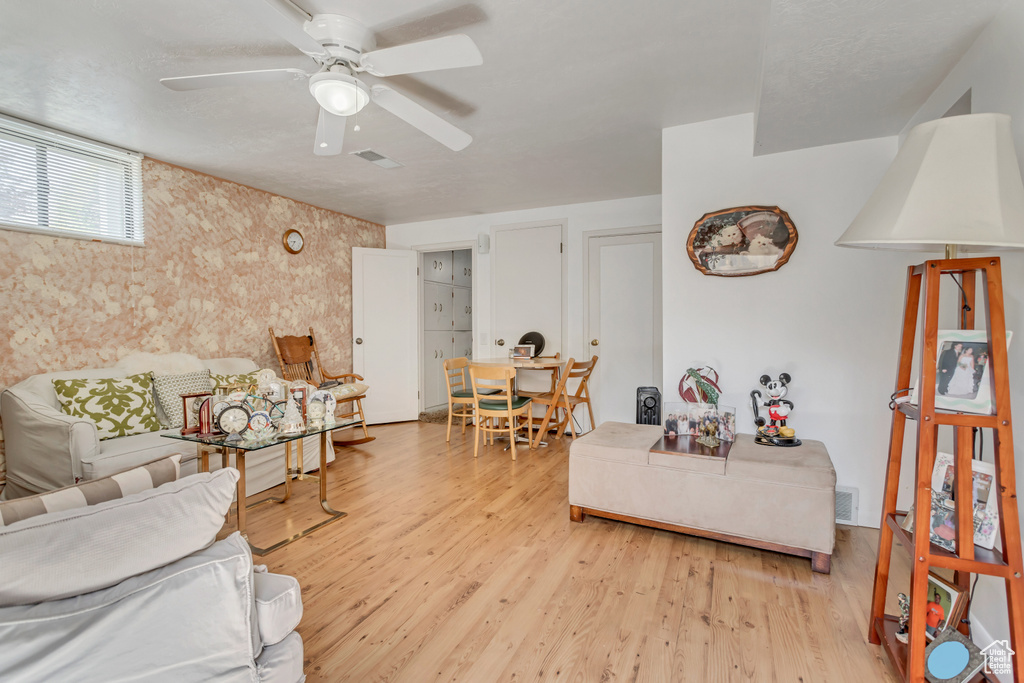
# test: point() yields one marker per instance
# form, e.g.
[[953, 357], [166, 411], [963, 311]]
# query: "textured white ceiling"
[[568, 106], [842, 70]]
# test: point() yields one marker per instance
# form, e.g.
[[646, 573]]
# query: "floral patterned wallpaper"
[[211, 279]]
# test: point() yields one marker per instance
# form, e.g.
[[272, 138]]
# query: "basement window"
[[58, 184]]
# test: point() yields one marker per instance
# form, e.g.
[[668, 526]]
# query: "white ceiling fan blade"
[[330, 134], [418, 117], [450, 52], [233, 78], [287, 21]]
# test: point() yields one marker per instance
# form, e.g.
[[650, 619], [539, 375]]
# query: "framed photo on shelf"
[[963, 382], [945, 605], [676, 419], [726, 423], [943, 518], [702, 415]]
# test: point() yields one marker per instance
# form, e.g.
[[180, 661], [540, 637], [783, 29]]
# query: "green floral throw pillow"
[[119, 406], [218, 381]]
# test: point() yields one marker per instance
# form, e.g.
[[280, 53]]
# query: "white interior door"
[[384, 331], [624, 321], [528, 292]]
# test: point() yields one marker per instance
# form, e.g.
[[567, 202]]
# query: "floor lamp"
[[954, 185]]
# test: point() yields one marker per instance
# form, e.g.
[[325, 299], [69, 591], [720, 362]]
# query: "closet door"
[[437, 266], [437, 307], [462, 268], [437, 347], [463, 345], [462, 306]]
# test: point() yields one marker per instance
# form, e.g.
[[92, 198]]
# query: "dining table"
[[553, 365]]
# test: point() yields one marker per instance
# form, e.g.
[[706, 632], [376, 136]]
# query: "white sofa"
[[137, 589], [48, 449]]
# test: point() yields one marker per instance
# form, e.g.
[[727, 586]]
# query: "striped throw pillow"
[[92, 492]]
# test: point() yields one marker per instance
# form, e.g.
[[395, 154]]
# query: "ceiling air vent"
[[377, 158]]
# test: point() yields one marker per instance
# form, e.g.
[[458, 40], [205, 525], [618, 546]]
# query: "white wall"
[[993, 70], [580, 218], [830, 317]]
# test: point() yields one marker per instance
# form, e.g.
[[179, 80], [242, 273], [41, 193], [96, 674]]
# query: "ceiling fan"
[[342, 48]]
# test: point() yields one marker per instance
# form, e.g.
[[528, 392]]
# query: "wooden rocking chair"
[[300, 360]]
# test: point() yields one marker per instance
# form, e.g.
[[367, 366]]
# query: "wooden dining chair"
[[556, 400], [498, 412], [300, 360], [582, 372], [460, 396]]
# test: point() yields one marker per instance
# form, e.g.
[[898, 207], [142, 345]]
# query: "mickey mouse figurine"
[[774, 432]]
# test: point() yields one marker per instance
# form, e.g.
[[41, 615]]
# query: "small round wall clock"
[[293, 241], [232, 421]]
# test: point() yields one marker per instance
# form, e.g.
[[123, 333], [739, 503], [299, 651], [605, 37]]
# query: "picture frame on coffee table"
[[191, 405]]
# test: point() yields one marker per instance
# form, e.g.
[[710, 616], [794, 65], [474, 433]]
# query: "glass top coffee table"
[[241, 447]]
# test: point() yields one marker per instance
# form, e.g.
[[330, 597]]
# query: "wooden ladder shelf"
[[909, 659]]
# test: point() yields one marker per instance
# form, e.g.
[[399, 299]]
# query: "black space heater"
[[648, 406]]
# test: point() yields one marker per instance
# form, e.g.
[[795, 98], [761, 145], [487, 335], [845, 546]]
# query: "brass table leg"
[[240, 503], [322, 479]]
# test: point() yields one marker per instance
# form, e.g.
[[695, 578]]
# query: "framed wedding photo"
[[676, 419], [962, 379]]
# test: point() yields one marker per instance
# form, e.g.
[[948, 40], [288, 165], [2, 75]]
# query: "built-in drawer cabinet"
[[438, 309], [463, 346], [462, 268], [462, 309], [437, 348], [437, 267]]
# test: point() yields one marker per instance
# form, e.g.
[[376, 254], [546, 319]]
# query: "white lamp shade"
[[954, 181]]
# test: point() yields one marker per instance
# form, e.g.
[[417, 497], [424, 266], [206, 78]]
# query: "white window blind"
[[57, 184]]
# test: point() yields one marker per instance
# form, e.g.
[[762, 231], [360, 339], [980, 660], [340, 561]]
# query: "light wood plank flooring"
[[451, 568]]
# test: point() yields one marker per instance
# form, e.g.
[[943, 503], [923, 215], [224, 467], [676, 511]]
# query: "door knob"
[[593, 342], [500, 342], [359, 340]]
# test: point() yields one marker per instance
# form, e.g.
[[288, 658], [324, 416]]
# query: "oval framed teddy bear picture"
[[744, 240]]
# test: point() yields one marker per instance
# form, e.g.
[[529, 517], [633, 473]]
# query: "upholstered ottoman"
[[778, 499]]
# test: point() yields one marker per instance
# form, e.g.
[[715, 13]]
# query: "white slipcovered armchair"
[[136, 588]]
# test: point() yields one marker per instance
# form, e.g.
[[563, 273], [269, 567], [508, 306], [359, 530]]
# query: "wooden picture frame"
[[743, 240], [947, 591], [206, 422], [190, 413]]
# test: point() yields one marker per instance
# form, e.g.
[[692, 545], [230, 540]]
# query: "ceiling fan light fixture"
[[338, 93]]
